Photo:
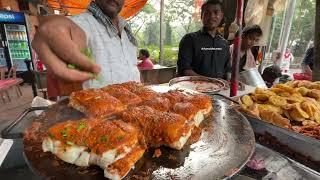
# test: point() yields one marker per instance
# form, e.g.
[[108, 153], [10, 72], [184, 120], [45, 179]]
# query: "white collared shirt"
[[116, 56]]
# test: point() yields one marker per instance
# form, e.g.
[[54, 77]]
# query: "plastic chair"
[[10, 82], [13, 75], [4, 92]]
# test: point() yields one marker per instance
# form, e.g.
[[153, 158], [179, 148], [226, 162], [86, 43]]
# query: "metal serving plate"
[[194, 81], [299, 147], [225, 146]]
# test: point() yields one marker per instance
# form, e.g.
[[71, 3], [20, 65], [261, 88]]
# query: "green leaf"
[[81, 126], [71, 66], [65, 132], [88, 52], [50, 135], [103, 139], [119, 138], [69, 143]]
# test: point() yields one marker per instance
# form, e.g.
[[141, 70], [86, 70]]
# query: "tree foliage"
[[302, 29], [179, 20]]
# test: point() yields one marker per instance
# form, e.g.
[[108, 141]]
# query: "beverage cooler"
[[15, 45]]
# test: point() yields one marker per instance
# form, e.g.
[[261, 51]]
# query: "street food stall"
[[187, 128]]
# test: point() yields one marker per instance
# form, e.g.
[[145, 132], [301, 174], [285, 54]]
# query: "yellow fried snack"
[[297, 113], [316, 117], [284, 94], [309, 123], [264, 91], [296, 116], [269, 107], [304, 83], [291, 84], [285, 87], [260, 97], [287, 114], [278, 90], [246, 100], [300, 111], [251, 110], [296, 101], [277, 101], [313, 101], [315, 85], [303, 91], [309, 108], [294, 98], [274, 118], [314, 93]]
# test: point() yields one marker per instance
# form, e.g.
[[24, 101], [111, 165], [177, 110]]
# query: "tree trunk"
[[161, 56], [316, 65]]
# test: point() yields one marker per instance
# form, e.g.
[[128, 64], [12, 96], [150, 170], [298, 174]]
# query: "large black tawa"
[[225, 145]]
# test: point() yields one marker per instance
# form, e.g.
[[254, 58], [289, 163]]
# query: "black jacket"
[[206, 55]]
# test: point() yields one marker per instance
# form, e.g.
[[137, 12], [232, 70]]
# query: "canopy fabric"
[[131, 7]]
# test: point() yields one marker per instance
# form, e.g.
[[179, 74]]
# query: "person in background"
[[250, 36], [271, 74], [146, 63], [205, 52], [288, 58], [100, 31], [37, 61], [307, 63]]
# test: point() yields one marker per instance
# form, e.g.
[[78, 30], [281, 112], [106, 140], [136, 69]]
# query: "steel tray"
[[299, 147]]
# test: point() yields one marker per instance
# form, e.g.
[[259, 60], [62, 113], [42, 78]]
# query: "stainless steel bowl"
[[252, 77]]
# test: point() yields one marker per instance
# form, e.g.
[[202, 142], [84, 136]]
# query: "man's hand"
[[58, 43]]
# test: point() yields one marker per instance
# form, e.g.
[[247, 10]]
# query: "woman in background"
[[146, 63]]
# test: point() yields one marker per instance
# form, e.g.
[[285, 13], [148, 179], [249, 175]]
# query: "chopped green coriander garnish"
[[119, 138], [69, 143], [65, 132], [81, 126], [103, 139]]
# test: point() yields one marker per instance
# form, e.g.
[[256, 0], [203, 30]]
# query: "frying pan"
[[224, 147]]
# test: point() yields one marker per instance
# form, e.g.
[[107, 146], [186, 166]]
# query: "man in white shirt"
[[60, 40]]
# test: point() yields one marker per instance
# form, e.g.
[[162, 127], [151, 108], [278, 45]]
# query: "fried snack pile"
[[138, 118], [294, 105]]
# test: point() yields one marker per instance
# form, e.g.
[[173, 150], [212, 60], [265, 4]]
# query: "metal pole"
[[287, 29], [316, 64], [161, 56], [236, 51], [282, 24], [274, 22]]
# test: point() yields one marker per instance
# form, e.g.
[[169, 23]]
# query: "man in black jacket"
[[205, 52], [307, 63]]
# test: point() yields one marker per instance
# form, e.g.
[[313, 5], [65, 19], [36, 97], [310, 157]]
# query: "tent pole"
[[161, 56], [316, 65], [287, 29], [274, 21], [236, 51], [282, 24]]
